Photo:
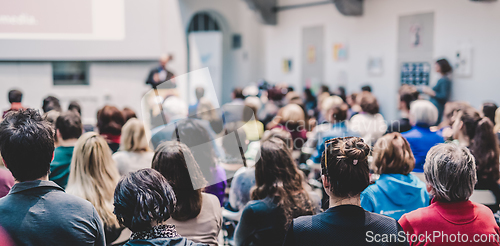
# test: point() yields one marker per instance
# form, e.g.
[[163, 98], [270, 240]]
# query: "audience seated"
[[233, 111], [450, 173], [345, 176], [51, 103], [199, 92], [38, 211], [476, 132], [407, 94], [15, 99], [75, 106], [194, 135], [292, 119], [207, 112], [110, 121], [253, 127], [128, 114], [278, 198], [423, 114], [368, 123], [134, 151], [93, 177], [68, 129], [6, 180], [144, 201], [397, 191], [198, 214], [354, 107], [310, 102]]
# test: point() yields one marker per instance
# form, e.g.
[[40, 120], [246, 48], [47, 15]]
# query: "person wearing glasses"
[[345, 175]]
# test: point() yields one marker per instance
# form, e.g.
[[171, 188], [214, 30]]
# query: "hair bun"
[[356, 149]]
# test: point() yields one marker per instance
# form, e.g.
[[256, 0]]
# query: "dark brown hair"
[[176, 163], [128, 114], [408, 94], [445, 66], [69, 125], [392, 154], [368, 103], [345, 164], [110, 120], [276, 175]]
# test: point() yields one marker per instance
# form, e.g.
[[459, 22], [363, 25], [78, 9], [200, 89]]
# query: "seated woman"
[[93, 177], [292, 119], [144, 201], [134, 151], [450, 173], [345, 175], [198, 215], [278, 197], [476, 132], [110, 121], [397, 191], [423, 115], [369, 123]]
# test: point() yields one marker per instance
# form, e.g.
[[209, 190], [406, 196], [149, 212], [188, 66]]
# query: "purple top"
[[6, 182], [219, 182]]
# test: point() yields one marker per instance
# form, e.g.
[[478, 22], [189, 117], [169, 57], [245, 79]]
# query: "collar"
[[462, 212], [28, 185], [159, 231], [111, 137]]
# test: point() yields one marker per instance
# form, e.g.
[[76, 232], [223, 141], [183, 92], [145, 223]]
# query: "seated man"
[[37, 211], [15, 98], [68, 130]]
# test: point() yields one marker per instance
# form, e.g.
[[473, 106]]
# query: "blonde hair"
[[496, 129], [392, 154], [94, 176], [206, 110], [134, 136], [293, 114]]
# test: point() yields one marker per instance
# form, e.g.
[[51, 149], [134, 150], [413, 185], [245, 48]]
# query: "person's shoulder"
[[382, 222], [482, 210], [210, 199], [421, 214]]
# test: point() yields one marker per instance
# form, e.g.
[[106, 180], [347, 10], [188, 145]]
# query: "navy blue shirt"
[[421, 140], [41, 213]]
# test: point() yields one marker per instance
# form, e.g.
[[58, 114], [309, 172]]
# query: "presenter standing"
[[160, 74], [440, 93]]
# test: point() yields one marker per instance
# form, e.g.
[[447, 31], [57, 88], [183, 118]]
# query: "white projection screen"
[[79, 29]]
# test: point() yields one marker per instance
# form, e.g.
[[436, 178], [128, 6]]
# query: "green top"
[[60, 166]]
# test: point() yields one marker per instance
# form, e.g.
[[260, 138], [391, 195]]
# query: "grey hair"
[[175, 107], [451, 171], [423, 111]]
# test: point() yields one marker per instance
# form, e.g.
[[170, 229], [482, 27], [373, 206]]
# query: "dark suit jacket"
[[156, 70]]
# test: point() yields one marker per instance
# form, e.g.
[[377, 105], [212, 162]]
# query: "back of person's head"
[[69, 125], [408, 94], [176, 163], [133, 136], [128, 114], [345, 165], [206, 110], [51, 103], [110, 120], [451, 172], [450, 109], [94, 175], [274, 94], [334, 105], [143, 198], [366, 88], [75, 106], [292, 115], [423, 112], [191, 133], [15, 96], [175, 107], [26, 144], [252, 106], [489, 110], [279, 133], [200, 92], [368, 103], [293, 97], [238, 93], [324, 88], [276, 175], [444, 66], [392, 154]]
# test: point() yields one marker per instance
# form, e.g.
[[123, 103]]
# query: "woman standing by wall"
[[440, 93]]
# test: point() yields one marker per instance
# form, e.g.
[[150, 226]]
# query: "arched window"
[[203, 22]]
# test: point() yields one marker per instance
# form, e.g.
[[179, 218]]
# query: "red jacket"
[[458, 223]]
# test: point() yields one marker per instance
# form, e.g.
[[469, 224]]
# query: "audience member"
[[75, 106], [194, 135], [144, 201], [423, 115], [51, 103], [110, 121], [199, 92], [134, 151], [233, 111], [15, 99], [38, 211], [488, 109], [310, 102], [198, 214], [407, 94], [397, 191], [440, 93], [292, 119], [366, 88], [128, 114], [253, 127], [207, 112], [345, 175], [476, 132], [450, 173], [271, 105], [93, 177], [278, 198], [68, 129], [370, 124]]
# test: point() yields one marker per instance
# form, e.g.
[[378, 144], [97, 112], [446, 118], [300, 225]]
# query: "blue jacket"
[[421, 140], [339, 130], [394, 195]]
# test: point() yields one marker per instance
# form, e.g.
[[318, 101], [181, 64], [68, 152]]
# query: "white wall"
[[375, 33]]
